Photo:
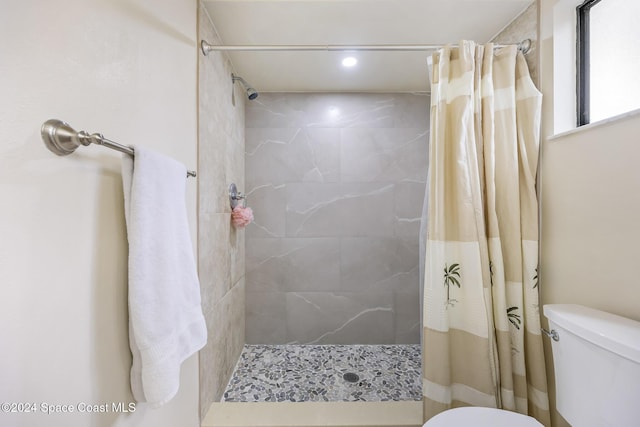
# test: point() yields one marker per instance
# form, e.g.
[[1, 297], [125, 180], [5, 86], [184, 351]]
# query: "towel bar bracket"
[[62, 140]]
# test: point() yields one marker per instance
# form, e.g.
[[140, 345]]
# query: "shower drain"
[[351, 377]]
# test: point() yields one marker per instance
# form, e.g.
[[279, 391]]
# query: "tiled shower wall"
[[336, 182], [525, 26], [220, 246]]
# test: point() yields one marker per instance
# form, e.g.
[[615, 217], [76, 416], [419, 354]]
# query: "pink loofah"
[[241, 216]]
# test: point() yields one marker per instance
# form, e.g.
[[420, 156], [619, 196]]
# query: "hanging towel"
[[166, 324]]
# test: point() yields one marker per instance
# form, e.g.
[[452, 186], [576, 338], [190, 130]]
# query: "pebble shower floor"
[[316, 373]]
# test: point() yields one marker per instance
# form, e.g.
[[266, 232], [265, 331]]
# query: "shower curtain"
[[481, 324]]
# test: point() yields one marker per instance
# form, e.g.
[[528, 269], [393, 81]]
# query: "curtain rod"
[[62, 139], [524, 46]]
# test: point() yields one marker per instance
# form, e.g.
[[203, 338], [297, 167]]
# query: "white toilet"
[[597, 369]]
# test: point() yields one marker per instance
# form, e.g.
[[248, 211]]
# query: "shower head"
[[251, 92]]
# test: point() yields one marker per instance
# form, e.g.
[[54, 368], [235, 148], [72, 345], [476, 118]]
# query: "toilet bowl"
[[481, 417]]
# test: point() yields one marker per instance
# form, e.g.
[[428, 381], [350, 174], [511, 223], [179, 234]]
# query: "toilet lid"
[[481, 417]]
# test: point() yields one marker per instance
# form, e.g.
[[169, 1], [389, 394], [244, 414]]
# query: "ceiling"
[[349, 22]]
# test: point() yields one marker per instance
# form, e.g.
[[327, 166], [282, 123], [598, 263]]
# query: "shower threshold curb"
[[314, 414]]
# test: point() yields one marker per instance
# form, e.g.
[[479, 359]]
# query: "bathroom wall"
[[221, 246], [126, 69], [336, 182], [590, 207]]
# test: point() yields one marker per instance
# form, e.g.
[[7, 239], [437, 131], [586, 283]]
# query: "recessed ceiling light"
[[349, 61]]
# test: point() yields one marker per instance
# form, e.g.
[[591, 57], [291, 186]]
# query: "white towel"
[[166, 324]]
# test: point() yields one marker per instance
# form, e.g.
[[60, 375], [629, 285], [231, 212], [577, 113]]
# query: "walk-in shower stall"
[[323, 291], [336, 182]]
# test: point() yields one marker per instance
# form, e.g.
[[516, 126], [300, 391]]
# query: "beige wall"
[[591, 214], [128, 70], [221, 246], [590, 208]]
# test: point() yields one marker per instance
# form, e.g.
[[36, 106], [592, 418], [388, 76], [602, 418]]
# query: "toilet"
[[596, 361], [481, 417]]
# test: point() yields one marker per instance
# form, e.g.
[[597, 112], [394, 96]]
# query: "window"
[[608, 59]]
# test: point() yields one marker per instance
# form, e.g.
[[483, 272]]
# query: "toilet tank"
[[597, 366]]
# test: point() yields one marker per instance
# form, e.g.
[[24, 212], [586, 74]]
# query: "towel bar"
[[62, 139]]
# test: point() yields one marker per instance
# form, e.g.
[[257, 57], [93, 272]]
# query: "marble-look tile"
[[339, 317], [225, 330], [214, 258], [370, 264], [413, 110], [313, 210], [266, 318], [215, 91], [322, 169], [383, 155], [275, 110], [368, 110], [366, 209], [269, 206], [221, 124], [525, 26], [278, 156], [409, 202], [237, 114], [236, 318], [212, 170], [407, 317], [235, 173], [353, 110], [221, 247], [214, 88], [293, 264], [235, 165], [264, 264], [237, 253], [338, 110], [351, 209]]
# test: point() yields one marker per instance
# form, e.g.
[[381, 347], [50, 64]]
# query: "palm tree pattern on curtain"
[[451, 277], [514, 317]]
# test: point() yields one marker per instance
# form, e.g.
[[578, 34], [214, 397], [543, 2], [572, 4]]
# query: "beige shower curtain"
[[482, 343]]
